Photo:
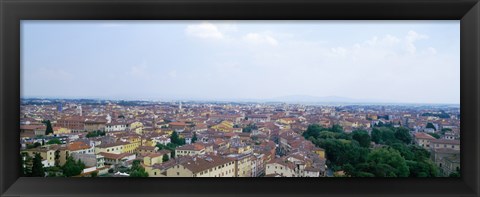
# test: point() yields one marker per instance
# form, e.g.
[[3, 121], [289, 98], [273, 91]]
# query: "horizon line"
[[240, 100]]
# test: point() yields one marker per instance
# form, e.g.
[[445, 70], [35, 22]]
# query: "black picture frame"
[[12, 11]]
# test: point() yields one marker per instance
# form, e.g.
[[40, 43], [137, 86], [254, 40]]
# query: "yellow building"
[[286, 121], [61, 130], [320, 152], [134, 143], [115, 148], [226, 126], [46, 152], [137, 127], [243, 165], [155, 158]]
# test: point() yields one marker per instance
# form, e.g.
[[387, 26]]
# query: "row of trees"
[[95, 133], [352, 152], [33, 167], [137, 170]]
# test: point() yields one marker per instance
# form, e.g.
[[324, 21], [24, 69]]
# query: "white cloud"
[[411, 38], [260, 38], [204, 30]]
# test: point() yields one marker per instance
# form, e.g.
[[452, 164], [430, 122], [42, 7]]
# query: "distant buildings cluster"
[[220, 139]]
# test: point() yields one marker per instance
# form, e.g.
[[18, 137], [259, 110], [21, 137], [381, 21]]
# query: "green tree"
[[444, 130], [194, 138], [423, 168], [170, 146], [54, 141], [22, 166], [72, 167], [175, 139], [383, 135], [165, 158], [431, 126], [387, 162], [37, 167], [435, 135], [362, 137], [313, 130], [28, 164], [376, 135], [455, 174], [94, 174], [49, 128], [336, 128], [137, 170], [403, 135]]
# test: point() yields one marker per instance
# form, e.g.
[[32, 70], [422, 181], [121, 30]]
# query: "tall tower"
[[154, 122], [180, 106], [79, 108]]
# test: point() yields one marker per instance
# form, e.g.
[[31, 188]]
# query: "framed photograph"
[[245, 98]]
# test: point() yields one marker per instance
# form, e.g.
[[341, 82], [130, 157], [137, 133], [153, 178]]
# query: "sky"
[[387, 61]]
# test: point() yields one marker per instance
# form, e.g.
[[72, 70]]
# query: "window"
[[155, 173], [178, 173]]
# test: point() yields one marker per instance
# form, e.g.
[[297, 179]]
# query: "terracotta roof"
[[198, 164], [74, 146], [32, 127], [146, 148], [177, 124], [115, 156], [421, 135], [112, 144], [445, 141], [194, 146]]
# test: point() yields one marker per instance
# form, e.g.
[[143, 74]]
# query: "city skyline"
[[394, 61]]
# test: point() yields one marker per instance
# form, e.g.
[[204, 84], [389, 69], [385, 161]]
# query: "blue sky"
[[393, 61]]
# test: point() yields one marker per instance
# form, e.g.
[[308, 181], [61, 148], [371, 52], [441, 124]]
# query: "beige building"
[[281, 168], [444, 143], [423, 139], [46, 152], [115, 148], [190, 150], [243, 164], [203, 166], [61, 130], [154, 158]]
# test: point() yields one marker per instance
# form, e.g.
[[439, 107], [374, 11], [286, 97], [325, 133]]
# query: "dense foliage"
[[194, 138], [37, 166], [177, 140], [49, 129], [249, 128], [95, 134], [72, 167], [170, 146], [54, 141], [440, 115], [137, 170], [394, 155]]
